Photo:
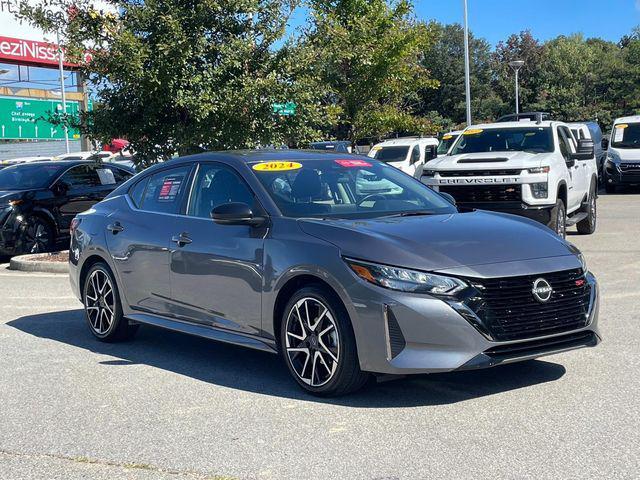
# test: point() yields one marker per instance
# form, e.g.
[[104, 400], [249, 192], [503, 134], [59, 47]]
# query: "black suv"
[[38, 200]]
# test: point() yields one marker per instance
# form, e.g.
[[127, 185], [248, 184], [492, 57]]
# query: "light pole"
[[64, 97], [467, 81], [517, 65]]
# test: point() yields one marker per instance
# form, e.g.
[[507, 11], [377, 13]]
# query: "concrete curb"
[[32, 263]]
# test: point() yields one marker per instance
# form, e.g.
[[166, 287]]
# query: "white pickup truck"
[[408, 154], [530, 168]]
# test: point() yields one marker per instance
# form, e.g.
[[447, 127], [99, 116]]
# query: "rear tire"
[[318, 345], [102, 306], [589, 224], [558, 220]]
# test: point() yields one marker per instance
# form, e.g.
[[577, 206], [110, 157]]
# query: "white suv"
[[409, 154], [529, 168]]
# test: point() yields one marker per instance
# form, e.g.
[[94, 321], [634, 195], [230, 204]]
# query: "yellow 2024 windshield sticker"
[[622, 125], [276, 166], [447, 137], [473, 131]]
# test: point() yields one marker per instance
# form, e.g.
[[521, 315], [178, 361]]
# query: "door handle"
[[115, 228], [182, 239]]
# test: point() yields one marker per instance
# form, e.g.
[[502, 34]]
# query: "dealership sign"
[[28, 119], [30, 52]]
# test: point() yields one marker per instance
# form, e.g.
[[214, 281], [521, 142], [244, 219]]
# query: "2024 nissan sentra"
[[343, 264]]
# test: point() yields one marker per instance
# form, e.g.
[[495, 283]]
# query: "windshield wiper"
[[410, 214]]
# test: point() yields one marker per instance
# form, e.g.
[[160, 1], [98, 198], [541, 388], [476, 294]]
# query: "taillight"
[[75, 223]]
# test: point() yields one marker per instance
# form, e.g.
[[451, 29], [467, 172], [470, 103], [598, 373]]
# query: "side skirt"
[[212, 333]]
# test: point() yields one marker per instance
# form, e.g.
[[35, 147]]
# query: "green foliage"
[[365, 61]]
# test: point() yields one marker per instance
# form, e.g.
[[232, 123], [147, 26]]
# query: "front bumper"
[[539, 213], [401, 333], [622, 174]]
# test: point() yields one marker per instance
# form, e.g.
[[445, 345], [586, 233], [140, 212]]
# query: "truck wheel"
[[558, 221], [588, 225]]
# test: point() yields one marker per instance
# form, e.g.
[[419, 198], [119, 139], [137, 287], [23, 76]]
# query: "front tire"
[[36, 236], [589, 224], [558, 221], [102, 306], [318, 344]]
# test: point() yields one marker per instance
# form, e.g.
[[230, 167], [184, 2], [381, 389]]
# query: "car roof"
[[520, 124], [405, 141], [630, 118]]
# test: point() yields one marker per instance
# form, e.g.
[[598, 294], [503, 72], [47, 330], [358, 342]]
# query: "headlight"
[[405, 280], [539, 169], [583, 262]]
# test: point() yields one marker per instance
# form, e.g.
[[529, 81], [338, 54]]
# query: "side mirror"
[[605, 143], [430, 153], [585, 150], [449, 198], [235, 213]]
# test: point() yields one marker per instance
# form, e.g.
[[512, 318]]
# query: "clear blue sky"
[[495, 20]]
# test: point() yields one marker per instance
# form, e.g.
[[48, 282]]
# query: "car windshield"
[[626, 135], [390, 154], [445, 144], [529, 139], [346, 188], [28, 176]]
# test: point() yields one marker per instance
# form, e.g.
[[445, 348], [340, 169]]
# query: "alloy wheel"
[[561, 223], [100, 302], [36, 237], [592, 211], [312, 342]]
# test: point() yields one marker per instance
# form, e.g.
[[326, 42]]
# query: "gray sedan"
[[342, 264]]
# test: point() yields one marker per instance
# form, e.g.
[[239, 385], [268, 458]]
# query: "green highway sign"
[[284, 109], [26, 118]]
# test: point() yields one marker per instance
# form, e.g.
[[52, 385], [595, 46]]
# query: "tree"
[[444, 58], [364, 57], [179, 76], [526, 47]]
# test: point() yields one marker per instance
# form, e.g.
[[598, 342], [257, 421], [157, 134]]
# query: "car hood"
[[486, 160], [627, 154], [440, 242]]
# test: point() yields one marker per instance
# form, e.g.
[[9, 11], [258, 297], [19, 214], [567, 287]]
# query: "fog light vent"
[[395, 339]]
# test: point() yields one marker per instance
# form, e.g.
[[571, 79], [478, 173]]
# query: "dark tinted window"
[[165, 190], [24, 177], [216, 184], [137, 191], [390, 154], [530, 139], [415, 154], [81, 176]]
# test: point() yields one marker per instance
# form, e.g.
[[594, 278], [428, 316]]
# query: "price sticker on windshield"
[[353, 163], [276, 166], [473, 131], [618, 134]]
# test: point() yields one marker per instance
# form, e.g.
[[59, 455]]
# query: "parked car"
[[592, 131], [622, 165], [283, 252], [446, 141], [74, 156], [332, 146], [529, 168], [16, 161], [408, 154], [38, 201]]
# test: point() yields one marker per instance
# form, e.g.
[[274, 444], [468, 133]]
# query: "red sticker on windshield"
[[353, 163]]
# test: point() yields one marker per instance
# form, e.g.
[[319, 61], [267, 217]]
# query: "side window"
[[565, 150], [214, 185], [81, 176], [165, 190], [119, 175], [415, 154], [137, 191]]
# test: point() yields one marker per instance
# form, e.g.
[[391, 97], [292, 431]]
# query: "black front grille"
[[509, 311], [484, 193], [632, 167], [480, 173]]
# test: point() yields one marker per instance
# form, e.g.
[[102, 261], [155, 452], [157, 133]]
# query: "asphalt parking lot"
[[171, 406]]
